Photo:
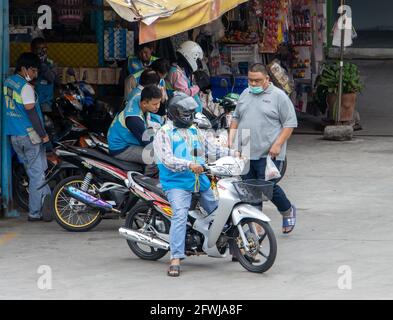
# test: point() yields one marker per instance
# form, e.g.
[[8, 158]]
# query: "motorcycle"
[[237, 223], [77, 99], [98, 170], [100, 176]]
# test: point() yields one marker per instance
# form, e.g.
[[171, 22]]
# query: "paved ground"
[[344, 196]]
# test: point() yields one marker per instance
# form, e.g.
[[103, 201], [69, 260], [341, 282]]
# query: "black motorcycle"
[[101, 176]]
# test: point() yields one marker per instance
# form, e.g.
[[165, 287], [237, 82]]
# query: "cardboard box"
[[90, 74], [108, 76]]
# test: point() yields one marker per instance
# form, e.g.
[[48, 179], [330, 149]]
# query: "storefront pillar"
[[6, 164]]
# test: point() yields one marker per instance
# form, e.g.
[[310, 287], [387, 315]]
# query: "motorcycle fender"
[[243, 211], [56, 170]]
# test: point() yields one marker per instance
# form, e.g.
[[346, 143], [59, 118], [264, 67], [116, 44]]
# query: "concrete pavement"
[[343, 191]]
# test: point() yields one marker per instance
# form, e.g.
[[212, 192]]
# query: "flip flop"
[[289, 221], [174, 270]]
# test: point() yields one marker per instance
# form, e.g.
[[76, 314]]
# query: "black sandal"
[[174, 270]]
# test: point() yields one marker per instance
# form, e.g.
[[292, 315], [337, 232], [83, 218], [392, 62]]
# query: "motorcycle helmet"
[[229, 102], [193, 54], [181, 110], [202, 80]]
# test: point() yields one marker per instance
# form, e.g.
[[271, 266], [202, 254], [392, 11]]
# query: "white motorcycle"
[[238, 223]]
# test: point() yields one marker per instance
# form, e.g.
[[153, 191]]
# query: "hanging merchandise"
[[70, 13], [275, 25], [271, 23], [279, 76]]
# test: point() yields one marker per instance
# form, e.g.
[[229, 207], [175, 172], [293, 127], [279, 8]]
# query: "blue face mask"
[[256, 90]]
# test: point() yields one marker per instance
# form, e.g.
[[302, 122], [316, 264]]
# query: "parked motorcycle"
[[237, 223], [101, 176], [77, 99]]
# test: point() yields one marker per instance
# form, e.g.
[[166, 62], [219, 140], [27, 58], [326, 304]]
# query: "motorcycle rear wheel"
[[67, 210], [135, 220], [257, 232]]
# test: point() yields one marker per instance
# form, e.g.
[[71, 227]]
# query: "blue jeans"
[[257, 171], [180, 201], [33, 157]]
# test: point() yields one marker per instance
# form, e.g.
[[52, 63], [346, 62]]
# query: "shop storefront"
[[95, 38]]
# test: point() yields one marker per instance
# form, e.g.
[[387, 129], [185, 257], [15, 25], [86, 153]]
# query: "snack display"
[[280, 76]]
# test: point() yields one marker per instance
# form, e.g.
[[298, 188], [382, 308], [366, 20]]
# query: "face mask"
[[27, 77], [256, 90], [43, 57]]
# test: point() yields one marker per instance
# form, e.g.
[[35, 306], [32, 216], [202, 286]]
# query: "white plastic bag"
[[271, 171]]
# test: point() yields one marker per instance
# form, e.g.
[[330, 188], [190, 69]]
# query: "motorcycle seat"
[[123, 165], [150, 184]]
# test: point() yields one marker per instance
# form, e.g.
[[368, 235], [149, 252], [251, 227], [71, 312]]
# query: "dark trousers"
[[257, 171]]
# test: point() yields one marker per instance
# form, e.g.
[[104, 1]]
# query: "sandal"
[[174, 270], [289, 221]]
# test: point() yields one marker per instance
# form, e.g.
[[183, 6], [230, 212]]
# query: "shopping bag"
[[271, 171]]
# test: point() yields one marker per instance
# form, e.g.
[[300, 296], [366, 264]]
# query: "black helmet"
[[181, 110]]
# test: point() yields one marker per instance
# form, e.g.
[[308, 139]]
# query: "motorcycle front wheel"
[[136, 220], [262, 243]]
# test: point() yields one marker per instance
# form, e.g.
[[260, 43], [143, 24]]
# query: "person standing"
[[24, 125], [269, 115], [47, 76], [180, 77]]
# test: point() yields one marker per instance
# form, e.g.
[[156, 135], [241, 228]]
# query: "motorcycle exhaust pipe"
[[136, 236], [89, 200]]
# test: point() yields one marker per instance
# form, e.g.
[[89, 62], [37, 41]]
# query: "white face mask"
[[27, 77]]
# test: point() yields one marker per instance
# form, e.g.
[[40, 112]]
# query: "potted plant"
[[327, 86]]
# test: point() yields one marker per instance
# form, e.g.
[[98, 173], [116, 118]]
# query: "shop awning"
[[164, 18]]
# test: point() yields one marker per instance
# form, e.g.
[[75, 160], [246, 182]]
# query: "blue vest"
[[136, 67], [170, 90], [17, 121], [185, 180], [45, 90], [134, 92], [119, 137]]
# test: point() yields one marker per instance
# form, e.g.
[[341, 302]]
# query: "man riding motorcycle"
[[180, 151]]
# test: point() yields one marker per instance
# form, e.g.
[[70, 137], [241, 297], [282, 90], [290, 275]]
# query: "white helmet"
[[192, 52]]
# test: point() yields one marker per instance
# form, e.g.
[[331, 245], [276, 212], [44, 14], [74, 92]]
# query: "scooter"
[[238, 223]]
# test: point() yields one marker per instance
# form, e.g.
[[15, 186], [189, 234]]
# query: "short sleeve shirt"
[[261, 118]]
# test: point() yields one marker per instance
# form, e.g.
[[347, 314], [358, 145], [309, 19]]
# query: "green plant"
[[330, 77]]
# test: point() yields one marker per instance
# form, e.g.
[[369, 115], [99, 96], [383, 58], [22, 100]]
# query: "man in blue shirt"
[[180, 149], [142, 60], [47, 76], [148, 77], [128, 136], [24, 124]]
